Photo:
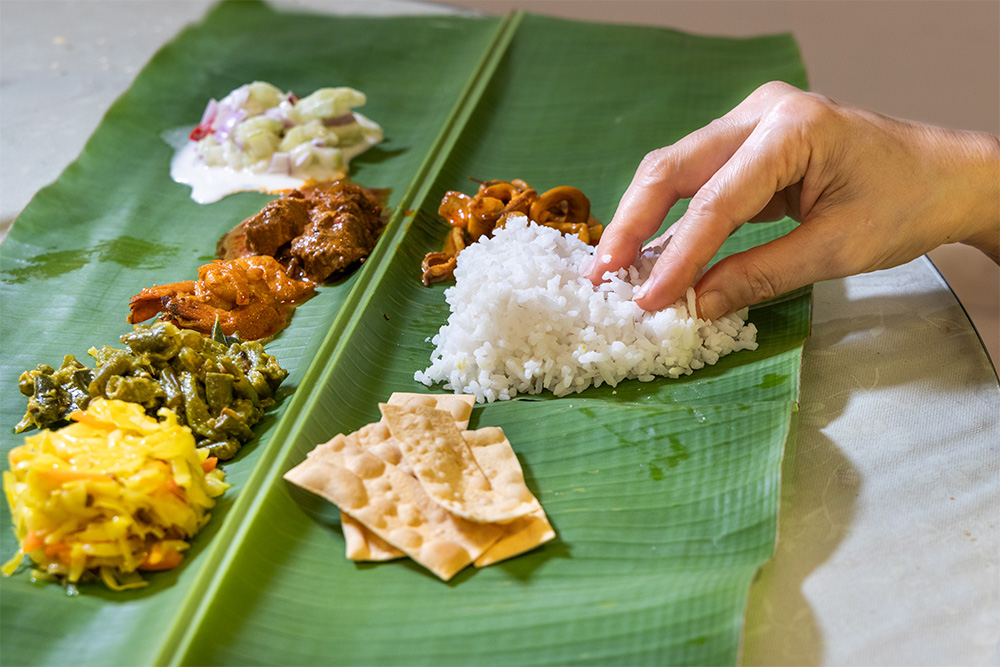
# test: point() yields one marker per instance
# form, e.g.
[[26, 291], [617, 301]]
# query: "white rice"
[[524, 320]]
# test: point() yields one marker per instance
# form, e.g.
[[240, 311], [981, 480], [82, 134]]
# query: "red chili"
[[200, 132]]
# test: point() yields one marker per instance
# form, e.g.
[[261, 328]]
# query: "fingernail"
[[712, 305]]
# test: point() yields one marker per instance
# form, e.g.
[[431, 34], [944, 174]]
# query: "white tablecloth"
[[889, 543]]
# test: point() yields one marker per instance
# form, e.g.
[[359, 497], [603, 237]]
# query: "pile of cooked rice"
[[524, 320]]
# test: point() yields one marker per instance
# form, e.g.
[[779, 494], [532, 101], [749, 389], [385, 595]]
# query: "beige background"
[[936, 62]]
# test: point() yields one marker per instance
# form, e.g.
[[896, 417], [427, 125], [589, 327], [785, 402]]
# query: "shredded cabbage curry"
[[113, 493]]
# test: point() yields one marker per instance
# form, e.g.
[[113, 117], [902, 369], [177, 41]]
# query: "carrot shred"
[[62, 475], [58, 550], [159, 559], [171, 486], [92, 421], [208, 465], [32, 541]]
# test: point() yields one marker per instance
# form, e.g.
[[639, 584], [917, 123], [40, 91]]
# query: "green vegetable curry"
[[220, 387]]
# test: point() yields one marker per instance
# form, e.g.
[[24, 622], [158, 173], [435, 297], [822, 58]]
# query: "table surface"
[[889, 547]]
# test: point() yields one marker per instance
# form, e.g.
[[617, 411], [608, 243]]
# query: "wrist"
[[978, 168]]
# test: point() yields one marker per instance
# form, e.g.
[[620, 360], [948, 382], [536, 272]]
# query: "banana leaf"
[[664, 494]]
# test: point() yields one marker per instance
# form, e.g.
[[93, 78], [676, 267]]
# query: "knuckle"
[[760, 282], [719, 126], [662, 164], [702, 202], [803, 108], [657, 164], [773, 89], [710, 205]]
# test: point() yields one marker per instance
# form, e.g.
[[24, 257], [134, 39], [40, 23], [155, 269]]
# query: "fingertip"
[[643, 299], [760, 273], [714, 304], [723, 289], [671, 276], [598, 266], [652, 296], [614, 252]]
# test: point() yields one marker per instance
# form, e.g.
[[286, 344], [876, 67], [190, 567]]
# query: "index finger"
[[668, 174], [773, 157]]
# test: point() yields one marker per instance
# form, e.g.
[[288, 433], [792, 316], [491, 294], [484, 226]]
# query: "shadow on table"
[[861, 344], [818, 493]]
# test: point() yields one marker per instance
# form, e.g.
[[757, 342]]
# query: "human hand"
[[870, 192]]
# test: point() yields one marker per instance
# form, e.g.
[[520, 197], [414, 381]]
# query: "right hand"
[[871, 192]]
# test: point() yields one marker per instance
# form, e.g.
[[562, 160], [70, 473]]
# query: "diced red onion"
[[278, 114], [210, 110], [280, 163], [237, 99], [228, 123], [346, 119], [300, 155]]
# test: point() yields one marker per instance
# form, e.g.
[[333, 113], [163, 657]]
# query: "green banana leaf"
[[664, 494]]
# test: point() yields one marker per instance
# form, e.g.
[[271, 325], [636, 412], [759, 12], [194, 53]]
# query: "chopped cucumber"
[[274, 133], [328, 103], [262, 96], [301, 134]]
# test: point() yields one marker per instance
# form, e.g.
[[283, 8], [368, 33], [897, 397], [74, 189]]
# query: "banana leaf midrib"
[[271, 465]]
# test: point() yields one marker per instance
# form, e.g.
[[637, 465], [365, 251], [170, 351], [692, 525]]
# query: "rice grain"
[[524, 320]]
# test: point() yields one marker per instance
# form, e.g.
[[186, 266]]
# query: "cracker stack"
[[417, 483]]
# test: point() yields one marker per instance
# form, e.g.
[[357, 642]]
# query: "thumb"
[[797, 259]]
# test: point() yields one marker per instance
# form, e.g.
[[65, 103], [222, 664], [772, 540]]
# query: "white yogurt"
[[210, 184]]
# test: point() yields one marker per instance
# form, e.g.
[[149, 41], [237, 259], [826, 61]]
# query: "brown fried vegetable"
[[561, 204], [564, 208], [220, 390]]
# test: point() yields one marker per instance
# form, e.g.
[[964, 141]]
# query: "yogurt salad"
[[260, 138]]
